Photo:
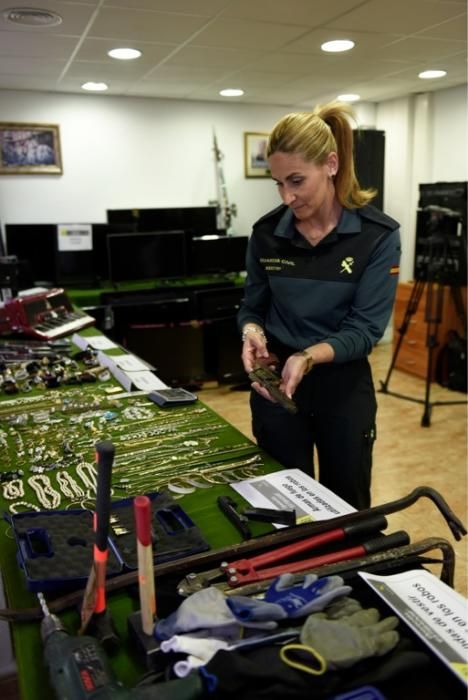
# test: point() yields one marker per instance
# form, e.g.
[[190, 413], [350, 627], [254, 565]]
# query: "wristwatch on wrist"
[[308, 359]]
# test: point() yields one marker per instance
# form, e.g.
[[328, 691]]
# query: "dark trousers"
[[337, 409]]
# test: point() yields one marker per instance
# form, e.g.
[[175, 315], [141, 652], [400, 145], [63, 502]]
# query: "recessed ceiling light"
[[124, 54], [231, 92], [428, 74], [349, 97], [32, 17], [337, 45], [95, 87]]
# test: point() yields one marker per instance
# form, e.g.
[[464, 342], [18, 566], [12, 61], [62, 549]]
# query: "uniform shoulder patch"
[[374, 214]]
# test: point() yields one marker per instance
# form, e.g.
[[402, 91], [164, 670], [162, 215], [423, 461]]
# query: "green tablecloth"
[[200, 506], [92, 296]]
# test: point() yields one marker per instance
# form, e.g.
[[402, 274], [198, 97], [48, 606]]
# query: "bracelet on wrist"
[[309, 361], [251, 329]]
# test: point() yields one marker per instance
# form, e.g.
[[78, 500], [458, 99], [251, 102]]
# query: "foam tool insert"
[[173, 532], [55, 548]]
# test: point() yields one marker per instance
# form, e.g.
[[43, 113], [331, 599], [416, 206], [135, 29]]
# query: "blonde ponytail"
[[315, 135]]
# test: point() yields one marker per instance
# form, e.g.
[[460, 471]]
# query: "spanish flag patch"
[[395, 270]]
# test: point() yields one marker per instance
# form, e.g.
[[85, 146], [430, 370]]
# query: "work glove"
[[206, 610], [342, 607], [345, 641], [199, 651], [247, 610], [312, 595]]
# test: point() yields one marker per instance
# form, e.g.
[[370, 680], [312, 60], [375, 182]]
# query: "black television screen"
[[36, 244], [146, 256], [218, 254], [198, 221], [100, 256]]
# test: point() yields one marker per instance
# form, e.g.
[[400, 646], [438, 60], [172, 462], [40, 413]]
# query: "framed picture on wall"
[[255, 162], [30, 149]]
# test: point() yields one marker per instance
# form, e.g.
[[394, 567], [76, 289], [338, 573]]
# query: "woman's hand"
[[295, 368], [254, 348]]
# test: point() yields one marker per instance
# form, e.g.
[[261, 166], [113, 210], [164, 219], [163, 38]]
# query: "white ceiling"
[[270, 48]]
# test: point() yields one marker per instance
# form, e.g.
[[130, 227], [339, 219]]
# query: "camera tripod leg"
[[410, 310], [433, 317]]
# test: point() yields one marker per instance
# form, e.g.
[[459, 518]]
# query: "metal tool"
[[78, 667], [244, 571], [271, 381], [80, 670], [379, 562], [229, 507], [271, 515], [93, 608], [258, 544]]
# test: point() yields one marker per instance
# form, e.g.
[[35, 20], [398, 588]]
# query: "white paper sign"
[[292, 489], [126, 362], [147, 381], [130, 363], [97, 342], [433, 610], [73, 237]]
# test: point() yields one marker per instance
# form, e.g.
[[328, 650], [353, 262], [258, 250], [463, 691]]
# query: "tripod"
[[432, 281]]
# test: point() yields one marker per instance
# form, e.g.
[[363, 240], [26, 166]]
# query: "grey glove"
[[345, 641], [342, 607]]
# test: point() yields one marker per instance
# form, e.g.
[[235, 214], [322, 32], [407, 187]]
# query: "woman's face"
[[303, 186]]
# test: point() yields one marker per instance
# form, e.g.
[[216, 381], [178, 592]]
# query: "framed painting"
[[30, 149], [255, 162]]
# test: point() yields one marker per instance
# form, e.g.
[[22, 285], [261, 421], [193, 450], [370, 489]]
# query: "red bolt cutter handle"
[[243, 566], [397, 539]]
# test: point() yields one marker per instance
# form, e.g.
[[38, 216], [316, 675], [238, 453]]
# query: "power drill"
[[79, 669]]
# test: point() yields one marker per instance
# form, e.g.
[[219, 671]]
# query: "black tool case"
[[55, 548]]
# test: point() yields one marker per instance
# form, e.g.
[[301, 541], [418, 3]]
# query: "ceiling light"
[[428, 74], [124, 54], [95, 87], [337, 45], [32, 17], [349, 97], [231, 92]]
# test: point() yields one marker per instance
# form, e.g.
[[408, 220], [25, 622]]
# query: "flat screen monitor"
[[218, 254], [147, 256], [100, 256], [198, 221], [35, 244]]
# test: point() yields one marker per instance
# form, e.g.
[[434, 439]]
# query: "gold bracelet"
[[308, 359]]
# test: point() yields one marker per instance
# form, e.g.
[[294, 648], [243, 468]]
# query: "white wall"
[[449, 137], [136, 152]]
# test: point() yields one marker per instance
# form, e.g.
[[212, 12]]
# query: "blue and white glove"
[[248, 610], [312, 595]]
